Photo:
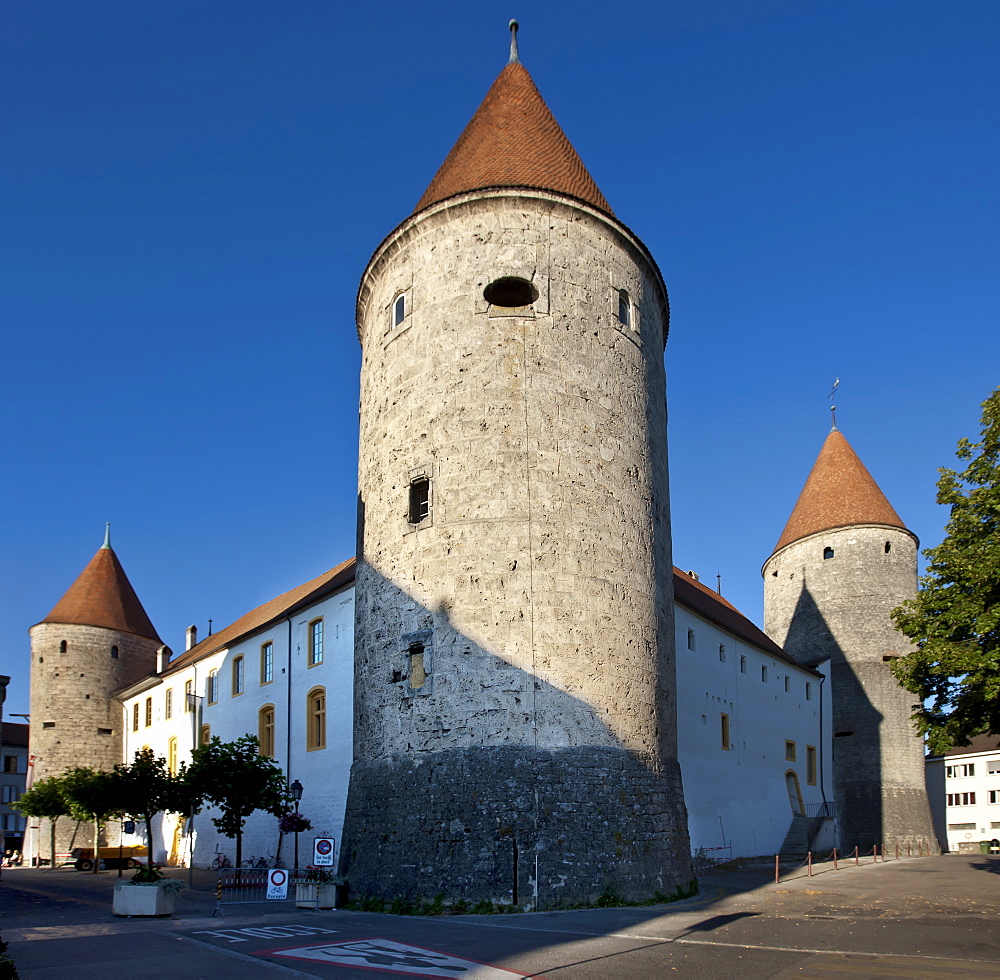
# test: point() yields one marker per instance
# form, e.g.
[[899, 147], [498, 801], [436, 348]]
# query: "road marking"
[[389, 956], [263, 932]]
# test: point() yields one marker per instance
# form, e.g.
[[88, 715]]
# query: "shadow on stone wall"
[[486, 782], [854, 727]]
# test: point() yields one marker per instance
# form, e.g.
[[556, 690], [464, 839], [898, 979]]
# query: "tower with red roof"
[[515, 730], [97, 640], [844, 561]]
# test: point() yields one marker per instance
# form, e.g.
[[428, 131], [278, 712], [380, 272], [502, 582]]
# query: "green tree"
[[92, 795], [145, 788], [45, 799], [237, 779], [955, 618]]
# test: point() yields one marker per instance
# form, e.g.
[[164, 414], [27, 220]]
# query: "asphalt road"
[[919, 918]]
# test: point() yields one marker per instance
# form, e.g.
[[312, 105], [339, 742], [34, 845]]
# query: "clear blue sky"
[[191, 191]]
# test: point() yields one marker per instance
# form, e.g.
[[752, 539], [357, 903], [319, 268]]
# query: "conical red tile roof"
[[839, 492], [513, 140], [103, 596]]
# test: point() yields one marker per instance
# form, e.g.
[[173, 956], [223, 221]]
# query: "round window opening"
[[510, 291]]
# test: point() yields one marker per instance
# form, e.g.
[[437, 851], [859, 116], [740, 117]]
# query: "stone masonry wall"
[[74, 719], [538, 587], [839, 608]]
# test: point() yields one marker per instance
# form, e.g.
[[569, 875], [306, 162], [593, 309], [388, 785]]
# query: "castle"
[[511, 692]]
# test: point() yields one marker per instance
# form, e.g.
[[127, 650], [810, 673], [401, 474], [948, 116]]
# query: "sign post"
[[324, 851], [277, 883]]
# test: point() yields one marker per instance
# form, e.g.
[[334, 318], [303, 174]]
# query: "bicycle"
[[261, 862], [220, 862]]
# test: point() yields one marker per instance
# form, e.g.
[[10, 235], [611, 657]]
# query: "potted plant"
[[149, 893], [317, 888], [144, 789]]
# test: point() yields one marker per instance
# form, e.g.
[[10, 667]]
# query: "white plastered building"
[[964, 789]]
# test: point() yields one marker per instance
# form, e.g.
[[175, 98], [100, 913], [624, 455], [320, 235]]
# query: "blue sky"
[[192, 190]]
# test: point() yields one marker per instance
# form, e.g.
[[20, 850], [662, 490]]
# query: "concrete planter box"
[[143, 900], [316, 895]]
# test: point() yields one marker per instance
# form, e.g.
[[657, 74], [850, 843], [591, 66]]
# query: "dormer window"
[[827, 553]]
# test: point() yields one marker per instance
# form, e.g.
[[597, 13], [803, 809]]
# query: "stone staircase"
[[800, 837]]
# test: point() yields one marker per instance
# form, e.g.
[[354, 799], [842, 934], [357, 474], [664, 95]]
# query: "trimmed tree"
[[145, 788], [92, 795], [955, 618], [237, 779], [45, 799]]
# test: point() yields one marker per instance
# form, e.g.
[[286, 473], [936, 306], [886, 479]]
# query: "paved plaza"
[[918, 918]]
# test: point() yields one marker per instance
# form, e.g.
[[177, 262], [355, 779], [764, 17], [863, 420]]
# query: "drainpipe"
[[288, 708], [822, 745]]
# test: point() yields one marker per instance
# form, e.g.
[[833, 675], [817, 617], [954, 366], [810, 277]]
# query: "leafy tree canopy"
[[44, 799], [955, 618], [236, 778], [146, 787]]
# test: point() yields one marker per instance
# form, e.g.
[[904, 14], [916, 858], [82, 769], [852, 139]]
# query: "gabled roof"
[[513, 140], [978, 743], [103, 596], [838, 493], [14, 735], [691, 593], [268, 613]]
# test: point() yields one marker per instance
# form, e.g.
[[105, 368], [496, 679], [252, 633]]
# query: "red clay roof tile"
[[839, 492], [103, 596], [513, 140]]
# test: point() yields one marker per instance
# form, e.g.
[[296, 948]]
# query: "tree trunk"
[[52, 842], [97, 844], [149, 840]]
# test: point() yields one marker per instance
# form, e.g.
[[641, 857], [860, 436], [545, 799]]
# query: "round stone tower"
[[97, 640], [515, 702], [844, 561]]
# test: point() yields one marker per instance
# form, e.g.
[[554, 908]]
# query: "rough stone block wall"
[[543, 570], [839, 608], [75, 721]]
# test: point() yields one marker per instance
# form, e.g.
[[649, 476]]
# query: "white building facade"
[[964, 789], [752, 740], [284, 673]]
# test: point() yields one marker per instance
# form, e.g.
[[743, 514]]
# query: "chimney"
[[192, 637]]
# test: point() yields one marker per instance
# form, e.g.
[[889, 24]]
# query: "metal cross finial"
[[833, 407], [513, 42]]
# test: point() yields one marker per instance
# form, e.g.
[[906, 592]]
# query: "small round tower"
[[844, 561], [514, 689], [97, 640]]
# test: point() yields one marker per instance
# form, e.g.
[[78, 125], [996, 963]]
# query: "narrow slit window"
[[726, 744], [888, 547], [743, 665], [114, 653], [722, 652], [690, 639], [399, 310], [827, 553], [418, 670], [420, 500], [763, 675], [624, 308]]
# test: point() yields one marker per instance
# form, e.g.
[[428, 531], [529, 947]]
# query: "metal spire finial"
[[107, 536], [514, 59], [833, 407]]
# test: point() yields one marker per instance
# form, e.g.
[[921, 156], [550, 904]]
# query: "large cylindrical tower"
[[97, 640], [844, 561], [515, 715]]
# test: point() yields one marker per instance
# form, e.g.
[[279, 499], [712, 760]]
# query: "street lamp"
[[296, 790]]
